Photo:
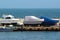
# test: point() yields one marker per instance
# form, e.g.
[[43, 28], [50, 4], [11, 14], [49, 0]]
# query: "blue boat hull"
[[5, 30]]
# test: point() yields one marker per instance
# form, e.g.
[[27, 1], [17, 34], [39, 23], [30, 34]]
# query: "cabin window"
[[8, 18]]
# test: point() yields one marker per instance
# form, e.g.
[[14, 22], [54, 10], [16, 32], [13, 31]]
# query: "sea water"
[[21, 13], [31, 35]]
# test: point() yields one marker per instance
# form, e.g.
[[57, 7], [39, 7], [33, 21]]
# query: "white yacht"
[[9, 20]]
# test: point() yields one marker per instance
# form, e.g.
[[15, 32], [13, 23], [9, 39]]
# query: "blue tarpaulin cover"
[[48, 21]]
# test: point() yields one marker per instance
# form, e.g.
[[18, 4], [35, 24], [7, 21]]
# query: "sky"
[[29, 3]]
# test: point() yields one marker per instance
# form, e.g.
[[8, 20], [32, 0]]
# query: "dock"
[[36, 29]]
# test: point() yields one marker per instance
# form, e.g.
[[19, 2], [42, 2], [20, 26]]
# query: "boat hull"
[[5, 30]]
